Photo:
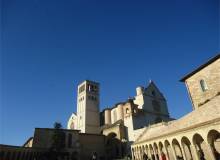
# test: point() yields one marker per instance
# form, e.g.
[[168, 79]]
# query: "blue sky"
[[50, 46]]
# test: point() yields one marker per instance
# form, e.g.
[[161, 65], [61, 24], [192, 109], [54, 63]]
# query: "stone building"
[[126, 120], [77, 145], [195, 135]]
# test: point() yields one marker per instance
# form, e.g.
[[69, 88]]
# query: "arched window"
[[70, 140], [72, 125], [127, 110], [203, 85]]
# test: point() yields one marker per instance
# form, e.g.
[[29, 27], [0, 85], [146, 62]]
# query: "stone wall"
[[90, 143], [211, 75]]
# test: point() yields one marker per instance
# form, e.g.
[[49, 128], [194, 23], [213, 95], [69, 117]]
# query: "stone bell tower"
[[88, 120]]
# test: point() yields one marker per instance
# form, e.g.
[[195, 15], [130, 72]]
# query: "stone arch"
[[113, 145], [201, 146], [213, 139], [162, 149], [169, 150], [177, 149], [186, 144], [156, 150], [140, 153], [147, 150], [151, 151]]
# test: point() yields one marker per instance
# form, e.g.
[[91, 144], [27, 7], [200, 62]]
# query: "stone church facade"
[[124, 121]]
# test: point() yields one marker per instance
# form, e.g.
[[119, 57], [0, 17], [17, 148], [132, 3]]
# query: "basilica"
[[139, 127]]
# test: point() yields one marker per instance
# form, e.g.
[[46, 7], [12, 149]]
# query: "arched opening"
[[162, 150], [147, 151], [177, 149], [169, 150], [187, 147], [140, 153], [113, 146], [72, 125], [156, 151], [214, 141], [201, 147], [151, 152]]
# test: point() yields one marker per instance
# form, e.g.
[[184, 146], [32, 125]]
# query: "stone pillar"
[[141, 153], [167, 154], [194, 152], [183, 152], [210, 151], [155, 153], [173, 151], [132, 153], [159, 153], [150, 154]]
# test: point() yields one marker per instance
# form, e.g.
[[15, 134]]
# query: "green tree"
[[58, 138]]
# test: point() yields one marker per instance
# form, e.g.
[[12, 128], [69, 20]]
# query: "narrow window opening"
[[203, 85]]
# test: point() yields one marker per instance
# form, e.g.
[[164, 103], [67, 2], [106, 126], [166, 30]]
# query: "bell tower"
[[88, 120]]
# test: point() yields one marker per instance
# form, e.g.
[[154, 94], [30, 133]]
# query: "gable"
[[152, 90]]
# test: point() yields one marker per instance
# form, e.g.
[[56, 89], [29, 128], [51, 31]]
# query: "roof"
[[29, 139], [69, 130], [129, 100], [118, 122], [200, 67]]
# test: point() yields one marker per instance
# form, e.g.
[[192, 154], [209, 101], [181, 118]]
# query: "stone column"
[[174, 152], [155, 154], [132, 153], [150, 153], [159, 153], [167, 154], [194, 152], [210, 150], [183, 152]]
